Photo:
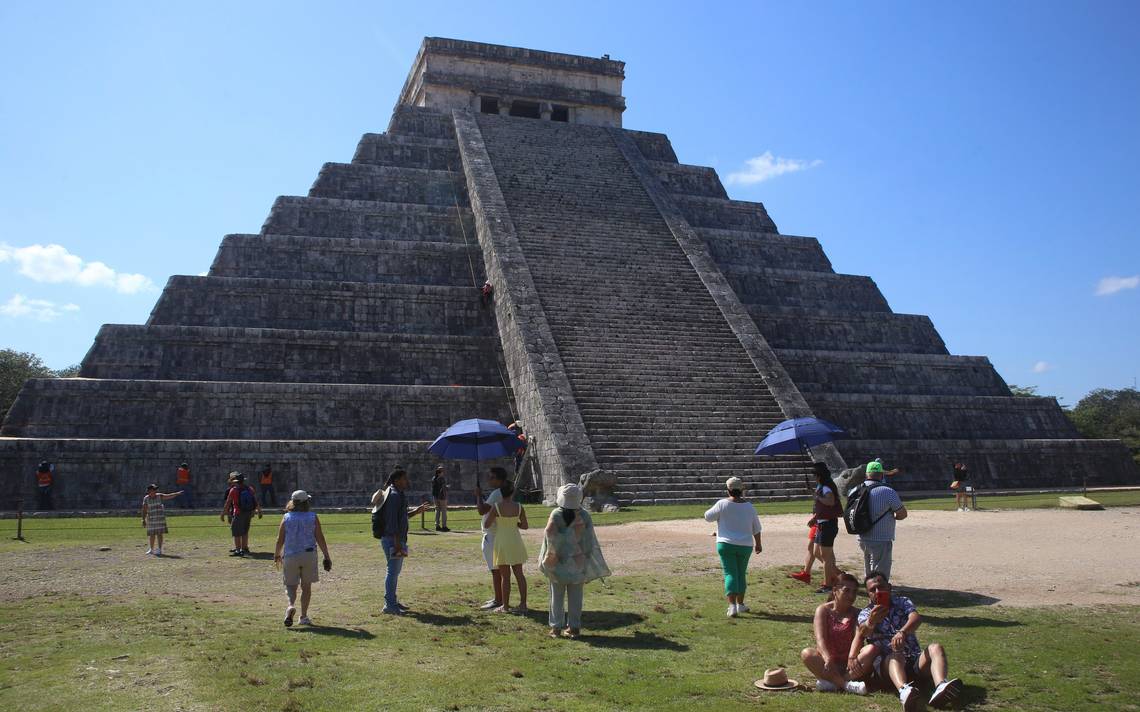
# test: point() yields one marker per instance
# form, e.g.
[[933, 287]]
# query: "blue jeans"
[[395, 565], [187, 498]]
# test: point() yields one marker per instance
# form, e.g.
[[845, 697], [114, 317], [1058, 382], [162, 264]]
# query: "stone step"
[[408, 152], [891, 373], [941, 417], [724, 214], [708, 490], [86, 408], [360, 181], [708, 472], [348, 260], [421, 122], [102, 474], [211, 353], [319, 305], [840, 329], [742, 248], [798, 288], [682, 179], [667, 498], [654, 146], [332, 217]]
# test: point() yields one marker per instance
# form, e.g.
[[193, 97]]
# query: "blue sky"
[[978, 160]]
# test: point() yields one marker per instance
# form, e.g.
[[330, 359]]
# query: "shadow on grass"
[[971, 695], [168, 556], [438, 619], [945, 598], [595, 620], [969, 622], [639, 641], [356, 633], [258, 555]]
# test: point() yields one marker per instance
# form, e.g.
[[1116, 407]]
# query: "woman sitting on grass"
[[570, 557], [737, 531], [154, 517], [835, 623], [510, 551], [297, 540]]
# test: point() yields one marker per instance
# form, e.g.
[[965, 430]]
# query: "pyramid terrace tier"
[[84, 408], [742, 248], [366, 219], [683, 179], [324, 306], [801, 288], [884, 417], [835, 330], [927, 464], [408, 152], [723, 214], [892, 373], [212, 353], [361, 181], [349, 260], [100, 474]]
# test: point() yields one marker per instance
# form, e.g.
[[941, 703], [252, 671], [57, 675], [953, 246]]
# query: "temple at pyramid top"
[[512, 81]]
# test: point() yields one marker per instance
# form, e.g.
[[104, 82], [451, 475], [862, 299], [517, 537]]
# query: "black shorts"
[[826, 532], [240, 525]]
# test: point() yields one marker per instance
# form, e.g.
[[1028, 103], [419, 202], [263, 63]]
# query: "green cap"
[[875, 466]]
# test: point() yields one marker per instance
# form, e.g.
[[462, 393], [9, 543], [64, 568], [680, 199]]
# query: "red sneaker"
[[802, 576]]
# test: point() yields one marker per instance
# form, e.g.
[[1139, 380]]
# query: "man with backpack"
[[871, 512], [241, 504]]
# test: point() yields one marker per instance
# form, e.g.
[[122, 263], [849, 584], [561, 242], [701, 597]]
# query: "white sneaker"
[[910, 699], [946, 692], [488, 605], [305, 620], [965, 509], [731, 610], [741, 608], [149, 552], [855, 687], [825, 686], [961, 509]]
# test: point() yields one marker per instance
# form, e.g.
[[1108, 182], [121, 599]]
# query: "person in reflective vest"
[[45, 479], [267, 491]]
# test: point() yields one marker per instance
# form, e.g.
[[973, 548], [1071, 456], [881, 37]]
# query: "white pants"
[[572, 592], [489, 550]]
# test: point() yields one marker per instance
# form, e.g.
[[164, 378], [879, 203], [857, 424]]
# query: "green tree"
[[1105, 413], [1023, 391], [15, 368]]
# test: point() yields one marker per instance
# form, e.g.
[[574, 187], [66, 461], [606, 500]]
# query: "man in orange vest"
[[267, 491], [182, 479], [44, 481]]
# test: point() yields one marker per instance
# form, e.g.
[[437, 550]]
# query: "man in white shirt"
[[496, 479]]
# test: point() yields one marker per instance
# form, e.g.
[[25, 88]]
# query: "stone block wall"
[[732, 248], [331, 306], [828, 329], [347, 260], [796, 288], [700, 212], [358, 181], [683, 179], [212, 353], [332, 217], [58, 408], [892, 373], [391, 150]]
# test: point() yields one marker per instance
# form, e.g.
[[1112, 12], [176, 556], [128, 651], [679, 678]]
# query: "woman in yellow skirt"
[[509, 551]]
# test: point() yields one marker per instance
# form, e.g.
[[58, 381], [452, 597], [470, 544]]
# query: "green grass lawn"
[[203, 632]]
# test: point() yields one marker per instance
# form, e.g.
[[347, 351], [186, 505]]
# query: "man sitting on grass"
[[892, 651]]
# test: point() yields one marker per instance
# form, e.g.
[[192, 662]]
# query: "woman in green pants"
[[737, 534]]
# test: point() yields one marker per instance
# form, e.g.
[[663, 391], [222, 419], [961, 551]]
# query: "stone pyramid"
[[643, 324]]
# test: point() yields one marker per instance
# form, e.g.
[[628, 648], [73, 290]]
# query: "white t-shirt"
[[736, 522], [492, 499]]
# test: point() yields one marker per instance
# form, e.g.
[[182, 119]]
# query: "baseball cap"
[[300, 496], [874, 466]]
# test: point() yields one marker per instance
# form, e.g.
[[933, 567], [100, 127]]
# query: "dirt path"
[[1027, 557], [1015, 558]]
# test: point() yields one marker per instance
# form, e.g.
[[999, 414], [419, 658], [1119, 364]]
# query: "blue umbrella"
[[475, 439], [797, 435]]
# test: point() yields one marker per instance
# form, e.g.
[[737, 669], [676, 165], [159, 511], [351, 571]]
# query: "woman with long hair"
[[508, 517], [827, 512], [834, 627]]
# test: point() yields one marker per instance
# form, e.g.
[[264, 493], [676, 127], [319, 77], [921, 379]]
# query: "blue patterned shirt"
[[892, 623], [883, 498]]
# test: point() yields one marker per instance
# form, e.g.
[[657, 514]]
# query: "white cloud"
[[766, 166], [1042, 367], [1112, 285], [20, 306], [54, 264]]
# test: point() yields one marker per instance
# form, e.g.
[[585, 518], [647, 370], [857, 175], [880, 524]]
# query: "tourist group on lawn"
[[856, 650]]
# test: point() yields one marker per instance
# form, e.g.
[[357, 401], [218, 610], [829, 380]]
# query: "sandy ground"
[[1014, 558], [1027, 557]]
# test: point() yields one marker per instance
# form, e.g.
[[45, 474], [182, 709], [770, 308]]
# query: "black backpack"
[[377, 517], [857, 514]]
